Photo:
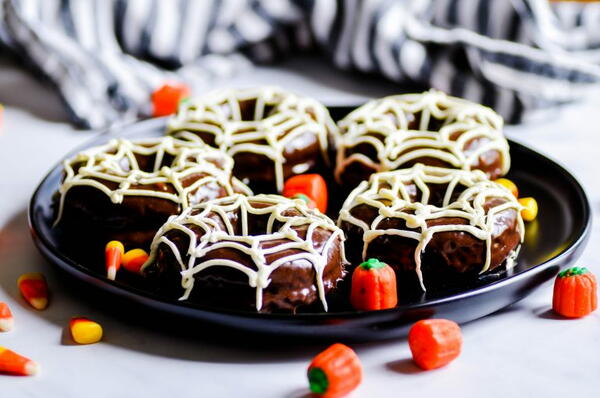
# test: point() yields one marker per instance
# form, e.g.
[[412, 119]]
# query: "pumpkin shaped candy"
[[575, 293], [334, 372], [373, 286]]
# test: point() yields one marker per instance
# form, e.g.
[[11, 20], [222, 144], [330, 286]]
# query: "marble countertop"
[[521, 351]]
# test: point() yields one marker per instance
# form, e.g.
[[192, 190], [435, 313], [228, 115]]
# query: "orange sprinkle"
[[34, 289]]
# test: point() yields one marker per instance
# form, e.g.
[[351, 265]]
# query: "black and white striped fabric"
[[106, 56]]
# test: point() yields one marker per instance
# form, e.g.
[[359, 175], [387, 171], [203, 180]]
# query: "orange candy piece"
[[85, 331], [6, 319], [373, 286], [575, 293], [114, 254], [15, 364], [334, 372], [34, 289], [167, 97], [311, 185], [134, 259], [434, 342]]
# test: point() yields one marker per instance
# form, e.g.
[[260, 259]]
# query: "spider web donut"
[[401, 129], [388, 193], [209, 228], [278, 118], [166, 160]]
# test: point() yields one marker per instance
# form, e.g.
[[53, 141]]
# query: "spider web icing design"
[[115, 163], [218, 232], [387, 192], [385, 125], [279, 117]]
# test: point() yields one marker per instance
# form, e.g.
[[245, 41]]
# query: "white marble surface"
[[519, 352]]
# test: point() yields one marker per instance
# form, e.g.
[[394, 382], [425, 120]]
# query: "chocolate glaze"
[[448, 255], [303, 154], [490, 162], [292, 285], [134, 220]]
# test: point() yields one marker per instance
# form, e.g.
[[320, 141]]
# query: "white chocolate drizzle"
[[116, 163], [279, 118], [387, 193], [384, 125], [221, 234]]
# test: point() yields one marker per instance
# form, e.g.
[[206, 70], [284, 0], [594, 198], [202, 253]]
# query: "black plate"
[[553, 241]]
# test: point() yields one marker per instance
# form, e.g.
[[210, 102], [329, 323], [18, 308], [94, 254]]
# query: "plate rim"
[[131, 292]]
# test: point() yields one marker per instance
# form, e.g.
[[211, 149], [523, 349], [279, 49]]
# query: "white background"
[[520, 352]]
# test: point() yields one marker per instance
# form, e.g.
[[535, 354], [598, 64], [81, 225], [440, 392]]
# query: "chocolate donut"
[[265, 251], [126, 190], [271, 134], [430, 128], [434, 221]]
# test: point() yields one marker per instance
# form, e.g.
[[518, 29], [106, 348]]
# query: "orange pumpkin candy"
[[575, 293], [373, 286], [167, 97], [334, 372], [434, 342], [311, 185]]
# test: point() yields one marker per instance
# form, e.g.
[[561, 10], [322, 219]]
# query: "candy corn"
[[6, 319], [511, 186], [114, 254], [134, 259], [85, 331], [13, 363], [530, 208], [34, 289]]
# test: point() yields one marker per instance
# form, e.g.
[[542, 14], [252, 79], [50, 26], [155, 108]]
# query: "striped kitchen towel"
[[105, 57]]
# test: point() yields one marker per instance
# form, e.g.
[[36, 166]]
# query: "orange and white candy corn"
[[114, 254], [15, 364], [134, 259], [85, 331], [34, 289], [6, 319]]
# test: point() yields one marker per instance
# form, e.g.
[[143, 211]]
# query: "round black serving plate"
[[553, 241]]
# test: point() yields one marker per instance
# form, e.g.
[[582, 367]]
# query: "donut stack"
[[206, 198]]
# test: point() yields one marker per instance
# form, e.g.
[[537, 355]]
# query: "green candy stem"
[[303, 197], [372, 263], [317, 380], [573, 271]]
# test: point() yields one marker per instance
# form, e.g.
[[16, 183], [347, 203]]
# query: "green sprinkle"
[[317, 380], [573, 271], [372, 263]]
